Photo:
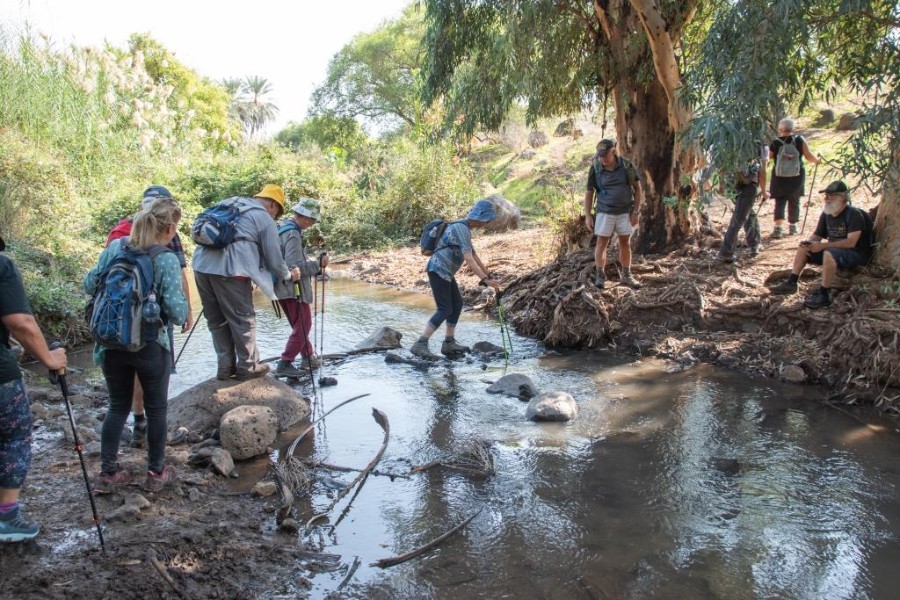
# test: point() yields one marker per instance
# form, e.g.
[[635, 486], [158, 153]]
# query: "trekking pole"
[[315, 311], [299, 295], [809, 198], [276, 308], [60, 377], [190, 333], [322, 337]]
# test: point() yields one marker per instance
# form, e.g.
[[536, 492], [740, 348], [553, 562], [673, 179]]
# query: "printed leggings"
[[15, 435]]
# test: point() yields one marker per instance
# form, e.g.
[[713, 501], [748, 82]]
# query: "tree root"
[[402, 558]]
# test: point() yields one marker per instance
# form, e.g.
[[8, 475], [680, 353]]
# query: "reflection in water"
[[699, 484]]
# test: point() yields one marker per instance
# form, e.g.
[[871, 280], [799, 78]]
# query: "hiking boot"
[[449, 348], [310, 362], [16, 528], [754, 251], [257, 370], [420, 349], [725, 257], [107, 482], [777, 233], [286, 368], [600, 279], [785, 287], [626, 278], [818, 299], [793, 230], [155, 482], [139, 433], [223, 374]]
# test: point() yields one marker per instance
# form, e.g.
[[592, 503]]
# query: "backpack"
[[124, 312], [630, 171], [431, 235], [216, 226], [787, 161]]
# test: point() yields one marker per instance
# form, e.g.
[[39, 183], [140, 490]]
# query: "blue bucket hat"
[[482, 211], [152, 193]]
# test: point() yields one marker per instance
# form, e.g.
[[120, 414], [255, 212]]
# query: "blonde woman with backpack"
[[153, 228], [786, 186]]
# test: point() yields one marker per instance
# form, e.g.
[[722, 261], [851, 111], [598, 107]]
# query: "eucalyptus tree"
[[561, 56], [376, 75]]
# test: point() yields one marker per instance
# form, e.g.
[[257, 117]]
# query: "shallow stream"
[[694, 484]]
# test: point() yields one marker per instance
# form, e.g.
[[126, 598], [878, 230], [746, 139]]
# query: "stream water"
[[694, 484]]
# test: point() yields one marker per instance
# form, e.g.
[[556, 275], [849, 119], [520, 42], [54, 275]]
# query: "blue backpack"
[[216, 226], [431, 235], [124, 311]]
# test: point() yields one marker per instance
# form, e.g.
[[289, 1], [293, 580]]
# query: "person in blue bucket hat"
[[452, 250]]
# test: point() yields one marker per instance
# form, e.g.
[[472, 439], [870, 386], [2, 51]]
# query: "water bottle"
[[151, 311]]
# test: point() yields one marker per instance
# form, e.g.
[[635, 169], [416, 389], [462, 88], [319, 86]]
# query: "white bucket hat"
[[307, 207]]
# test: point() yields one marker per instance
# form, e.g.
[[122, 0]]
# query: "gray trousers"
[[742, 217], [228, 306]]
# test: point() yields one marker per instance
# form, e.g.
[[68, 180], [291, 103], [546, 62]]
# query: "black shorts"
[[846, 258]]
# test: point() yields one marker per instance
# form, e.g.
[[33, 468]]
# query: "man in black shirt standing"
[[842, 239], [15, 410]]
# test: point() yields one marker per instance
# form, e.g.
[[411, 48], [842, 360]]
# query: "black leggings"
[[448, 299], [152, 365]]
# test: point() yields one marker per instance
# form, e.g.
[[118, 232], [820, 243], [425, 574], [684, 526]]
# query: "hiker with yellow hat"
[[237, 246]]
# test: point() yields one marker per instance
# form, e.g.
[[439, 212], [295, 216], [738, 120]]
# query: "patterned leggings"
[[15, 435]]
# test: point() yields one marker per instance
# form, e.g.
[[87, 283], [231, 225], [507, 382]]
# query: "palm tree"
[[261, 109]]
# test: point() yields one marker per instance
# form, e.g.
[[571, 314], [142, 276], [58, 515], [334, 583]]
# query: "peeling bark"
[[887, 222]]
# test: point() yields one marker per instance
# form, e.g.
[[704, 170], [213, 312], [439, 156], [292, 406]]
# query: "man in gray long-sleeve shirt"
[[224, 282]]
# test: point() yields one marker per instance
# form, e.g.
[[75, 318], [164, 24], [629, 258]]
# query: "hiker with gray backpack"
[[136, 290], [786, 186], [449, 245]]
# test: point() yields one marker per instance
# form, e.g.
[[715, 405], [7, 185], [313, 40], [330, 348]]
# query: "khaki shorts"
[[605, 225]]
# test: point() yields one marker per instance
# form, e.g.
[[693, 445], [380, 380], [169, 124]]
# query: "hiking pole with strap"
[[60, 377], [190, 333], [809, 198], [299, 296], [322, 337]]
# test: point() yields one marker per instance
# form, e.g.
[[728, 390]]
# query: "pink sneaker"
[[157, 481], [107, 482]]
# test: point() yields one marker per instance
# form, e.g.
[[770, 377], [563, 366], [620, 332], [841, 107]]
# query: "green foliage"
[[340, 137], [376, 75]]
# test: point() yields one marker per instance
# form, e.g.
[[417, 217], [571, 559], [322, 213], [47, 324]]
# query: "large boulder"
[[508, 214], [246, 431], [201, 407], [536, 139], [847, 122], [565, 128], [383, 338], [515, 385], [552, 406]]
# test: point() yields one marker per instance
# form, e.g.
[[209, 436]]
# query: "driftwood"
[[402, 558], [382, 420], [161, 569], [376, 472], [353, 567]]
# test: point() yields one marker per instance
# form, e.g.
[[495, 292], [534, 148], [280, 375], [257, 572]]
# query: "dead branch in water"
[[402, 558]]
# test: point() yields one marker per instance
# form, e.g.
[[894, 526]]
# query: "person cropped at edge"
[[746, 183], [152, 363], [303, 215], [224, 282], [614, 192], [843, 239], [454, 248], [122, 229], [15, 409], [787, 191]]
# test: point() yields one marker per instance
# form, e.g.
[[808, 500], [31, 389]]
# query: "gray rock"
[[290, 526], [552, 406], [222, 462], [247, 431], [847, 122], [137, 501], [39, 411], [92, 448], [564, 128], [536, 139], [793, 373], [515, 385], [487, 349], [194, 495], [264, 489], [527, 154], [385, 337], [201, 407], [826, 117], [178, 437], [125, 513], [201, 456], [192, 478], [508, 214], [85, 434]]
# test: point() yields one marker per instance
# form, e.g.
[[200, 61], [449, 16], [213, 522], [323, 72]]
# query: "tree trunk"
[[645, 130], [887, 222]]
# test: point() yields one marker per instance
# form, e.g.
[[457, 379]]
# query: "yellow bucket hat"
[[272, 192]]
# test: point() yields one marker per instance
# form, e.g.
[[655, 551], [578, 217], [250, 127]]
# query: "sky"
[[287, 42]]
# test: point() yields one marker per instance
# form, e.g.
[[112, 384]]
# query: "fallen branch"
[[402, 558], [350, 573], [376, 472], [161, 569], [382, 420]]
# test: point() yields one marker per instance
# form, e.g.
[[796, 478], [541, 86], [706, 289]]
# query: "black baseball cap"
[[836, 187]]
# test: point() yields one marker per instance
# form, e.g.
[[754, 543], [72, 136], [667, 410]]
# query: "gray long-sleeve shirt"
[[295, 256], [255, 253]]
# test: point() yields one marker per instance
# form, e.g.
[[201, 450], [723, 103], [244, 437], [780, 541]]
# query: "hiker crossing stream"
[[670, 482]]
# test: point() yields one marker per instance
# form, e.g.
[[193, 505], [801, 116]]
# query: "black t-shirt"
[[838, 228], [12, 301], [780, 187]]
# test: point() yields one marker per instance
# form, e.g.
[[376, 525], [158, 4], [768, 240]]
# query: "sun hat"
[[483, 210], [273, 192], [307, 207], [152, 193]]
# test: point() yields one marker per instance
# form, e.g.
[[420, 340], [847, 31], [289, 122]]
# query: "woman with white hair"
[[787, 183]]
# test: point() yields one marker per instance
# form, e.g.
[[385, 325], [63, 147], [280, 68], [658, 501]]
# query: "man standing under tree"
[[614, 182], [745, 187]]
